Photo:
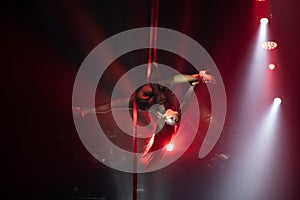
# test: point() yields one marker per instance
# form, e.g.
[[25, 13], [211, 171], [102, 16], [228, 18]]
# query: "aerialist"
[[156, 99]]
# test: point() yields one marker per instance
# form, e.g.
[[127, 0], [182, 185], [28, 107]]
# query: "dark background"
[[43, 44]]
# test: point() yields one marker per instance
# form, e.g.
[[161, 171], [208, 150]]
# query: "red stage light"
[[170, 146], [261, 0], [272, 66], [264, 20], [269, 45]]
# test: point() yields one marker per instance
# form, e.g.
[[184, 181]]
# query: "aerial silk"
[[151, 59]]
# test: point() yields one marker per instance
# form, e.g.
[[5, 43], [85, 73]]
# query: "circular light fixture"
[[264, 20], [269, 45], [277, 101], [170, 147], [272, 66]]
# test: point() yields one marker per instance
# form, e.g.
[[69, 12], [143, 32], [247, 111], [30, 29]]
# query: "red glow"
[[269, 45], [170, 147], [272, 66]]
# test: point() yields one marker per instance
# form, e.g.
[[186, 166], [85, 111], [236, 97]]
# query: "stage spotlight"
[[277, 101], [170, 146], [260, 0], [264, 20], [269, 45], [271, 66]]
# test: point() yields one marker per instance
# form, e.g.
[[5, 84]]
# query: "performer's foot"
[[79, 112], [204, 77]]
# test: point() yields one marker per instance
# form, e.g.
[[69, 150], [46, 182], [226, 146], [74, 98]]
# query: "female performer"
[[158, 100]]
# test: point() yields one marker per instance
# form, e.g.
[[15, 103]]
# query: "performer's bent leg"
[[116, 104], [193, 79]]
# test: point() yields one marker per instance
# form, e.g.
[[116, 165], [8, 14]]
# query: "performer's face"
[[171, 117]]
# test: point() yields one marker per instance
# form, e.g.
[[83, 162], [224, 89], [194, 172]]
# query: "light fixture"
[[264, 20], [170, 146], [272, 66], [269, 45], [277, 101]]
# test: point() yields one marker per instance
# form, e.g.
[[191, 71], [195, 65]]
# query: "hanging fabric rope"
[[134, 175], [155, 29], [151, 59], [153, 36]]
